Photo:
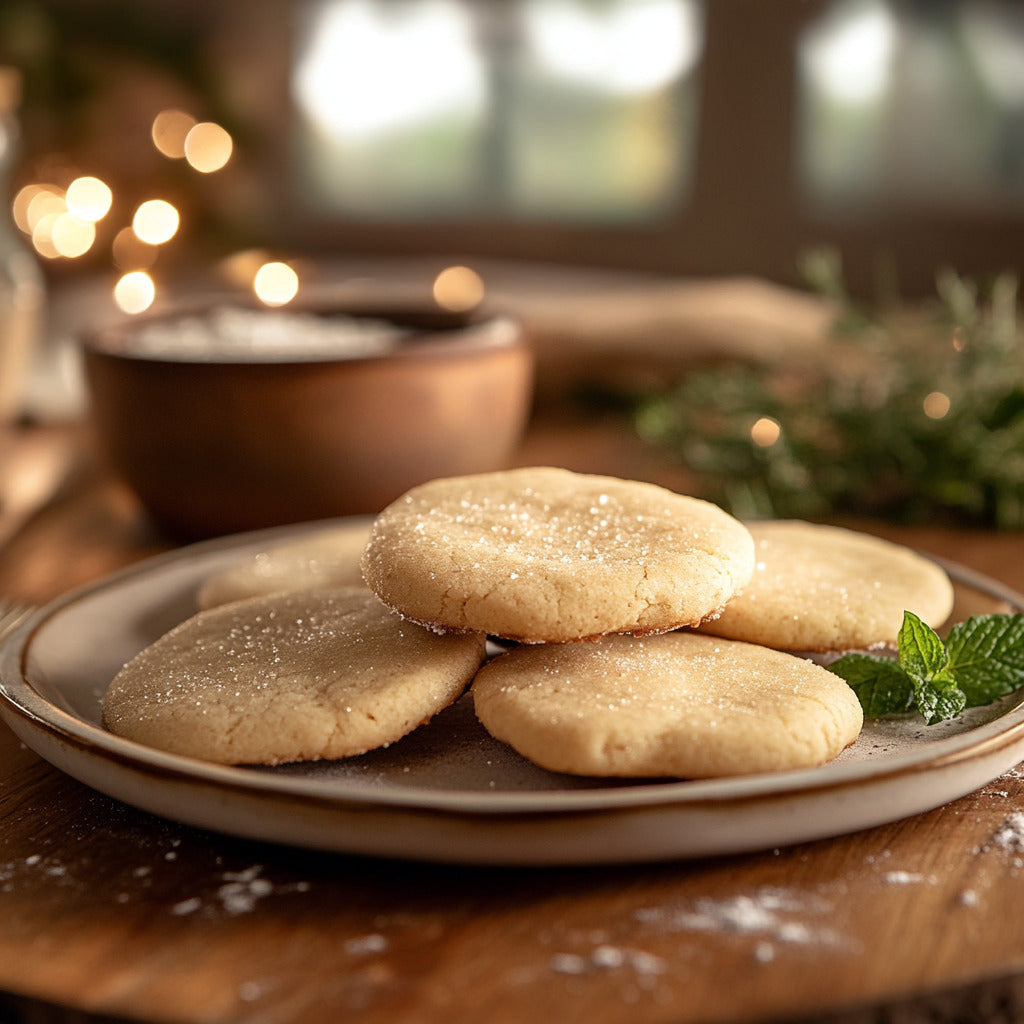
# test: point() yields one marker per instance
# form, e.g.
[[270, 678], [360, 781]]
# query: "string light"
[[275, 284], [72, 237], [89, 199], [207, 147], [155, 221], [936, 405], [129, 252], [134, 292], [458, 289], [42, 234], [46, 200], [62, 223], [21, 207], [169, 130], [765, 432]]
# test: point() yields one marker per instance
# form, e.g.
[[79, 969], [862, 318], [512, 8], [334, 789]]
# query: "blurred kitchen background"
[[696, 137], [661, 178]]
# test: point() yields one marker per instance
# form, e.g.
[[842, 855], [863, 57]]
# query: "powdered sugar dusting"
[[238, 893], [773, 914], [907, 878], [1010, 834]]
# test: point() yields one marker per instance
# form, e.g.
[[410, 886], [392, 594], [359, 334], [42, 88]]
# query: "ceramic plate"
[[448, 792]]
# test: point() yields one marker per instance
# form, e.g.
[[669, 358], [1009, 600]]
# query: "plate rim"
[[21, 702]]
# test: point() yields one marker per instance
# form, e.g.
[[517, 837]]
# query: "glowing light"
[[134, 292], [765, 432], [155, 221], [89, 199], [959, 341], [345, 79], [275, 284], [850, 54], [207, 147], [169, 131], [72, 237], [239, 269], [22, 203], [129, 252], [936, 405], [627, 49], [47, 201], [42, 235], [458, 289]]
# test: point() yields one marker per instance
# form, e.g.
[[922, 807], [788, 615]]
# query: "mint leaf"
[[923, 656], [986, 654], [981, 661], [881, 685], [938, 702], [921, 650]]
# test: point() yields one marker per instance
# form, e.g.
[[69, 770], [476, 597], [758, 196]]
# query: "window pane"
[[392, 98], [564, 109], [917, 104]]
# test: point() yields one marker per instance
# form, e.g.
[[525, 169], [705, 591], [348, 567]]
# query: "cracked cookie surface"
[[320, 673], [548, 555], [679, 705]]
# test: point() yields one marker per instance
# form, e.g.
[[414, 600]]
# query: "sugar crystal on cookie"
[[576, 556]]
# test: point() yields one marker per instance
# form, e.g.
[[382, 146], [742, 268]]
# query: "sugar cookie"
[[826, 588], [327, 556], [547, 555], [298, 676], [678, 705]]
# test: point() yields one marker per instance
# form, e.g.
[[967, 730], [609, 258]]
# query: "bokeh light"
[[207, 147], [239, 269], [134, 292], [44, 201], [129, 252], [936, 405], [458, 289], [72, 237], [155, 221], [169, 131], [275, 283], [765, 432], [22, 204], [42, 234], [89, 199]]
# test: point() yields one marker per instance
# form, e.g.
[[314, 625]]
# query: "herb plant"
[[981, 660], [912, 415]]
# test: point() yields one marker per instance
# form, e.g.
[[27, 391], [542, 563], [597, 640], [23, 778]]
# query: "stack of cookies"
[[642, 633]]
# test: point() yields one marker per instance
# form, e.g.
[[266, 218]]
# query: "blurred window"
[[511, 109], [918, 103]]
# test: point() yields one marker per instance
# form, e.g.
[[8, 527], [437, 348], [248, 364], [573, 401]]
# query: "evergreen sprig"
[[913, 414]]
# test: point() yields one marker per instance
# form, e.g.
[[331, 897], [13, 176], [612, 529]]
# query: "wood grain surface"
[[109, 912]]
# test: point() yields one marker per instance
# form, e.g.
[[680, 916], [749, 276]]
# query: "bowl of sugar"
[[225, 418]]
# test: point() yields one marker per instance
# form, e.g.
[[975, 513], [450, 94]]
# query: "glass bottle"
[[21, 280]]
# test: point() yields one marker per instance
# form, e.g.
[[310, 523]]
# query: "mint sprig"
[[981, 660]]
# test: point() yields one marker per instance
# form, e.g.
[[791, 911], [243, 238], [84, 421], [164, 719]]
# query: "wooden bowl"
[[217, 442]]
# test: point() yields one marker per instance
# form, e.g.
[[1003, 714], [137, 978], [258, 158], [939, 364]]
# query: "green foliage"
[[913, 415], [981, 661]]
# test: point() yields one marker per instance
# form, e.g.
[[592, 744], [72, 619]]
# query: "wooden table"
[[109, 912]]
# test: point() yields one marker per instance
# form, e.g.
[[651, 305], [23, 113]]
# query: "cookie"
[[328, 556], [679, 705], [548, 555], [298, 676], [825, 588]]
